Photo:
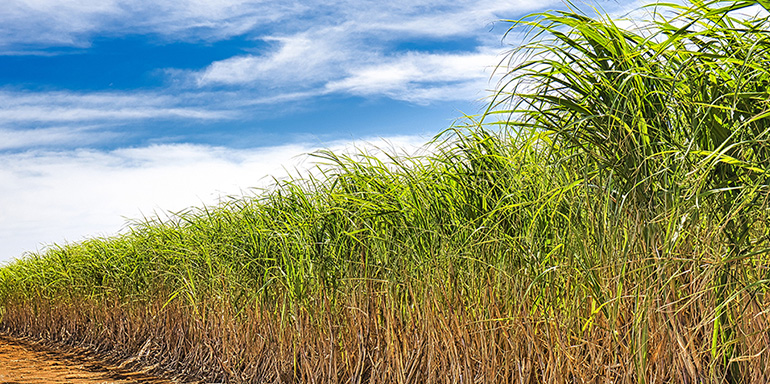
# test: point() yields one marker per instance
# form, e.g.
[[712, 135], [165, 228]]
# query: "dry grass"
[[663, 336]]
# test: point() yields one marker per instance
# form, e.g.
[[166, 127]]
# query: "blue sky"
[[115, 109]]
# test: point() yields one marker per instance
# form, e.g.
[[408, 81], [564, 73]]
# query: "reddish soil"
[[22, 361]]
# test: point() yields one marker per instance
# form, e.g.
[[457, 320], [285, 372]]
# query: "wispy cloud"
[[50, 22], [315, 47], [439, 19], [61, 106], [422, 77], [351, 51], [300, 58], [328, 62], [57, 136], [74, 23]]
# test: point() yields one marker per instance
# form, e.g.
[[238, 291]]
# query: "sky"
[[113, 110]]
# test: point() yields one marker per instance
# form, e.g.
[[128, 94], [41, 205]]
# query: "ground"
[[23, 361]]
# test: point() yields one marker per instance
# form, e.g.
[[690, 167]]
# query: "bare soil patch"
[[24, 361]]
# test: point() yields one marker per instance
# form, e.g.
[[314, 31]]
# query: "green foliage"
[[622, 199]]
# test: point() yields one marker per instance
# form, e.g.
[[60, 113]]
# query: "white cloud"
[[50, 113], [444, 19], [350, 51], [52, 197], [24, 106], [75, 22], [300, 58], [314, 47], [326, 61], [423, 77], [53, 136], [53, 22], [415, 77]]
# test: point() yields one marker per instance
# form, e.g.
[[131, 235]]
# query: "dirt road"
[[22, 361]]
